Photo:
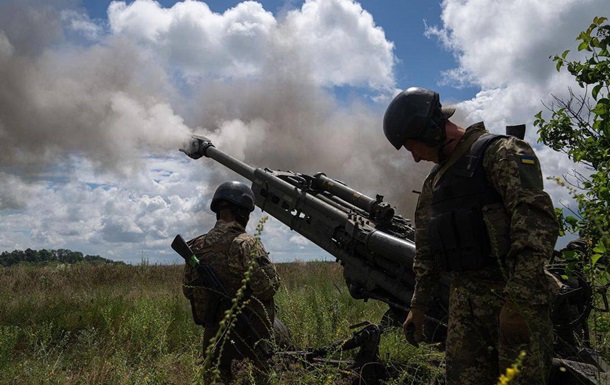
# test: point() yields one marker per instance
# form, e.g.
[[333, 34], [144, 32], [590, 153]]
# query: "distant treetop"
[[50, 257]]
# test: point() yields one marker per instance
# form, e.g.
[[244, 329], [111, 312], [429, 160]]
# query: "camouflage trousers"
[[234, 351], [473, 353]]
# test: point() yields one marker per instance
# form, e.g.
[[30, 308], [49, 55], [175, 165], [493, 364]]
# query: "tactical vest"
[[459, 234]]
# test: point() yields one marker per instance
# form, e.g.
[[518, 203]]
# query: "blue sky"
[[97, 96]]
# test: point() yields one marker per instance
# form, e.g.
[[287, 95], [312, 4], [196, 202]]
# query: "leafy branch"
[[580, 127]]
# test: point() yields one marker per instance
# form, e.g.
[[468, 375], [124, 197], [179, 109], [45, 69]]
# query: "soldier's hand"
[[414, 326], [513, 328]]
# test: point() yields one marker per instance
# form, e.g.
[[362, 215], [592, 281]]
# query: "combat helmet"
[[416, 113], [236, 193]]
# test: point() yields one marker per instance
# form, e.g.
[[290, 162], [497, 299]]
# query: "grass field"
[[124, 324]]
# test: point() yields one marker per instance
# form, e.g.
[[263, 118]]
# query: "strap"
[[457, 154]]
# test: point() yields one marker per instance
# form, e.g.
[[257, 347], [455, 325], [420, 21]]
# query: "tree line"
[[49, 257]]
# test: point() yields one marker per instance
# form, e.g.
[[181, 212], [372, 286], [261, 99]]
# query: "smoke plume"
[[92, 114]]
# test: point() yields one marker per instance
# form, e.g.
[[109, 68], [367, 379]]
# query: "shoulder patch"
[[527, 159], [529, 172]]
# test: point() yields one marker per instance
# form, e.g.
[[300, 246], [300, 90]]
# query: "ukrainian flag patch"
[[527, 159]]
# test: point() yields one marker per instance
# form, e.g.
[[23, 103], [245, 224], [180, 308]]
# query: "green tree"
[[580, 127]]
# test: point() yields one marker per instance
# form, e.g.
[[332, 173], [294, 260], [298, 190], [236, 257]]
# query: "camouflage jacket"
[[231, 252], [514, 171]]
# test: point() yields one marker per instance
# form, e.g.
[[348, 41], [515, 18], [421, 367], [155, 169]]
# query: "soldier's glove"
[[414, 326], [513, 328]]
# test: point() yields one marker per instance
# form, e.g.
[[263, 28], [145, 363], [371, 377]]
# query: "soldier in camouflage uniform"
[[483, 217], [232, 253]]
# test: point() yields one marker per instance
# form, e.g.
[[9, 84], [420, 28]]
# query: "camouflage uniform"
[[523, 230], [231, 253]]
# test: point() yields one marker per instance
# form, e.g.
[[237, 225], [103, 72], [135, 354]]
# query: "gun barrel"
[[198, 146], [238, 166]]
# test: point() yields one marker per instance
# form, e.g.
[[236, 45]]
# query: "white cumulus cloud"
[[334, 42]]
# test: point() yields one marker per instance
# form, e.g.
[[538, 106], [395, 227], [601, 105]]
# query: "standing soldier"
[[240, 262], [482, 215]]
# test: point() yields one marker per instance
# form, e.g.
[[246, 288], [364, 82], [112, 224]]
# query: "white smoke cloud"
[[14, 192], [102, 102], [6, 48], [81, 24], [235, 137], [93, 114]]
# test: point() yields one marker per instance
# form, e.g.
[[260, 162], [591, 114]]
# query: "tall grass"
[[122, 324]]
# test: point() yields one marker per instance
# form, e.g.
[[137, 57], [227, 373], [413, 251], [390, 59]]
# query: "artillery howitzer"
[[376, 248]]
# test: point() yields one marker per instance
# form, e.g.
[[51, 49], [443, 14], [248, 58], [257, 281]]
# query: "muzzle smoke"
[[112, 105]]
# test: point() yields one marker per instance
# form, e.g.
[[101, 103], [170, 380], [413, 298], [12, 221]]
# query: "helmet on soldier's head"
[[416, 113], [236, 193]]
